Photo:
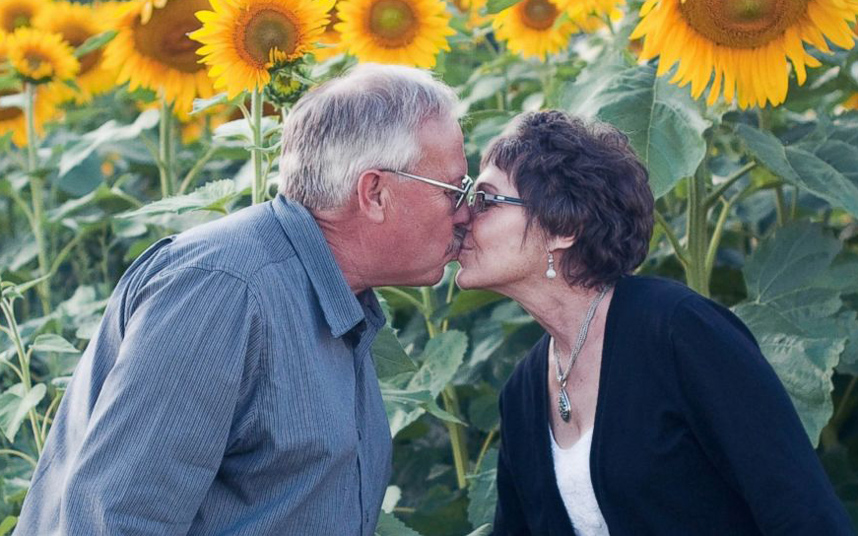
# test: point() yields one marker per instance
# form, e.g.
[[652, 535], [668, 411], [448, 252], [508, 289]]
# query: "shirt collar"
[[341, 308]]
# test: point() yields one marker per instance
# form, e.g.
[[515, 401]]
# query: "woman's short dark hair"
[[580, 179]]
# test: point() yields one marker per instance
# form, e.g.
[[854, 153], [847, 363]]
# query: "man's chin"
[[428, 278]]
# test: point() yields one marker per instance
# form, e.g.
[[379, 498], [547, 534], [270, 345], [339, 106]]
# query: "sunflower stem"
[[165, 148], [18, 453], [697, 233], [258, 190], [485, 448], [6, 306], [680, 252], [192, 174], [714, 197], [450, 289], [37, 191], [780, 206], [458, 441]]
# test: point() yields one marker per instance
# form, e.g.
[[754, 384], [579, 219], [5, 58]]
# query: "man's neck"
[[345, 237]]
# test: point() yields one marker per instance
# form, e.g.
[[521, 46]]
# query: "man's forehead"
[[441, 129]]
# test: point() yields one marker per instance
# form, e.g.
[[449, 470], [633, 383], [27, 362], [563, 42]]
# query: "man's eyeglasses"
[[461, 193], [479, 201]]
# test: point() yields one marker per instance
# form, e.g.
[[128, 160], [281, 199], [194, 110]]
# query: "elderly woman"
[[645, 408]]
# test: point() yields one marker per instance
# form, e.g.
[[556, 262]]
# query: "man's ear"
[[373, 195]]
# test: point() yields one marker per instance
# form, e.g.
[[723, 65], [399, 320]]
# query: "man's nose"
[[462, 216]]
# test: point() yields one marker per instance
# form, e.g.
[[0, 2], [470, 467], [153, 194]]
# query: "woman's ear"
[[373, 194], [560, 242]]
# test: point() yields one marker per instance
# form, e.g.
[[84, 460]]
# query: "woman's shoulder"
[[655, 302], [655, 292]]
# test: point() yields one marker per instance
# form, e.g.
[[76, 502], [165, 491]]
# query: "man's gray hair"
[[367, 119]]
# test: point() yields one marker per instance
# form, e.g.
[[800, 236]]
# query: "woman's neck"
[[558, 307]]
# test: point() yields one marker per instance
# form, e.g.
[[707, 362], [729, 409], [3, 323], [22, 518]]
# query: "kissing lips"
[[458, 239]]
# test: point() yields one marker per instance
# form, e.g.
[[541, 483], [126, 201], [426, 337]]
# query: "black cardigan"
[[694, 433]]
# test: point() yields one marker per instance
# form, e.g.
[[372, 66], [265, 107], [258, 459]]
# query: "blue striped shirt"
[[230, 389]]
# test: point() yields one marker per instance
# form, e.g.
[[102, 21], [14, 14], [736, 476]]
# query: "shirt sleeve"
[[162, 420], [744, 420], [509, 517]]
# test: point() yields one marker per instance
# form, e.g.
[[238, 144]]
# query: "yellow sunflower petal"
[[746, 42], [535, 28], [77, 23], [408, 32], [243, 38], [158, 54], [16, 14], [40, 57], [12, 118]]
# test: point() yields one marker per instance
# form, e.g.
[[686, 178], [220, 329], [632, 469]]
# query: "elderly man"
[[230, 388]]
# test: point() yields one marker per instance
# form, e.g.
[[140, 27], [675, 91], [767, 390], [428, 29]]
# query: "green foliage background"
[[756, 209]]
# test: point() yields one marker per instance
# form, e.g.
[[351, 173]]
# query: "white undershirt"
[[572, 467]]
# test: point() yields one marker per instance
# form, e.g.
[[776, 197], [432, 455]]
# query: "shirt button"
[[360, 436]]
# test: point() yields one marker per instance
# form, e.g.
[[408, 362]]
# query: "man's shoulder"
[[241, 244]]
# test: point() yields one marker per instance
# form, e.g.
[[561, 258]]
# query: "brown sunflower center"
[[265, 30], [164, 38], [539, 14], [9, 112], [35, 60], [742, 23], [77, 35], [17, 17], [393, 22]]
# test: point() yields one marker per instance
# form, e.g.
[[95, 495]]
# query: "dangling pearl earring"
[[550, 273]]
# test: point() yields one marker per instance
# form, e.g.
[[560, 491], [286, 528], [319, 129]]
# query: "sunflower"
[[110, 10], [331, 38], [158, 55], [16, 14], [39, 56], [244, 38], [77, 23], [473, 12], [852, 102], [534, 28], [149, 7], [12, 118], [193, 128], [408, 32], [746, 43], [578, 9]]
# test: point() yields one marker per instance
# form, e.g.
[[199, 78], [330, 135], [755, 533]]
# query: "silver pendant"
[[563, 404]]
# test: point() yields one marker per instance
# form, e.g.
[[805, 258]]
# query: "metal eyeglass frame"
[[478, 201], [464, 192]]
